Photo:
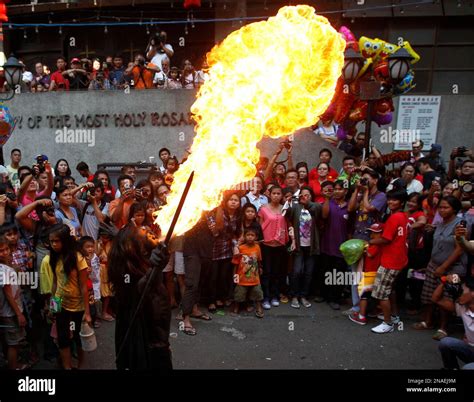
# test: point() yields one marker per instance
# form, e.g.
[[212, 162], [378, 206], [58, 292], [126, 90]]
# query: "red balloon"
[[192, 3], [359, 111]]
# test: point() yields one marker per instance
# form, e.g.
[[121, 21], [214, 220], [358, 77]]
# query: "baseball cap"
[[75, 60], [436, 148], [44, 158], [376, 228]]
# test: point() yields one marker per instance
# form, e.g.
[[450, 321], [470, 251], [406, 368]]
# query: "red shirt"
[[316, 186], [60, 81], [332, 175], [372, 264], [281, 182], [395, 253]]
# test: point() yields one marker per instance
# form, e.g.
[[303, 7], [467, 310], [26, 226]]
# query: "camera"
[[157, 39], [466, 188], [40, 160], [86, 65], [454, 289], [364, 181], [11, 195], [141, 62]]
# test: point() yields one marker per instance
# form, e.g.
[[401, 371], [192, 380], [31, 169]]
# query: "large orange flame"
[[268, 78]]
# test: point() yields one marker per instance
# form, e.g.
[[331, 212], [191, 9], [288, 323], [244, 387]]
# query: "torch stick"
[[155, 268]]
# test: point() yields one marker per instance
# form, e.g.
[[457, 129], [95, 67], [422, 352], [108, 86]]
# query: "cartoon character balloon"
[[346, 109], [6, 124]]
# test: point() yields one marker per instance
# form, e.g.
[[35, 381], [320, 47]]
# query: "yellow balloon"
[[416, 57]]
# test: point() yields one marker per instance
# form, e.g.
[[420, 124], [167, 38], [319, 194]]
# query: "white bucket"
[[88, 340]]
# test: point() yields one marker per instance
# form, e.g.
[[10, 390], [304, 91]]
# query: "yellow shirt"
[[68, 287]]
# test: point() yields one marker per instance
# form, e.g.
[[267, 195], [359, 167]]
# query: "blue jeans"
[[451, 349], [355, 291], [303, 266]]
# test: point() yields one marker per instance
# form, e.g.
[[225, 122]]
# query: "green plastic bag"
[[352, 250]]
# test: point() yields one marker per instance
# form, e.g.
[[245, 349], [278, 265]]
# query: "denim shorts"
[[14, 334]]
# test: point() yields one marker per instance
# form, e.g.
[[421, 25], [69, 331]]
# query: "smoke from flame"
[[268, 78]]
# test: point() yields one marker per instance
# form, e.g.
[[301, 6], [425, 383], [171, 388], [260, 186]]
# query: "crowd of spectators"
[[277, 242], [153, 69]]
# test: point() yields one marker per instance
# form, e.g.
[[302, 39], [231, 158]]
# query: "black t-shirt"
[[77, 82], [428, 178]]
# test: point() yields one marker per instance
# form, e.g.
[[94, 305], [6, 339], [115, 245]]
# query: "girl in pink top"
[[275, 234]]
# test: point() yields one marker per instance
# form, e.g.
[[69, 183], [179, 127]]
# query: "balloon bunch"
[[346, 109]]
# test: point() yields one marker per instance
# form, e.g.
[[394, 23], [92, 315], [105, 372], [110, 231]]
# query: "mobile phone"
[[463, 223]]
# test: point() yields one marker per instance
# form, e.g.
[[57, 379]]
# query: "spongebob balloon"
[[416, 57], [387, 49], [369, 47]]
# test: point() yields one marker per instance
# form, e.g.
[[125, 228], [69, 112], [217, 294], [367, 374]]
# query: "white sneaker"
[[275, 303], [266, 305], [305, 302], [348, 312], [295, 303], [383, 328], [395, 318]]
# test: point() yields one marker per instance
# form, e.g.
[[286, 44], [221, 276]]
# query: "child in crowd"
[[249, 220], [103, 246], [247, 271], [174, 81], [22, 261], [172, 165], [87, 249], [137, 213], [393, 259], [156, 179], [63, 279], [12, 320], [151, 207], [22, 258], [373, 252]]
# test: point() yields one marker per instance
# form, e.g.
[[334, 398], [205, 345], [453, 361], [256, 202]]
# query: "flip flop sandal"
[[420, 326], [179, 316], [190, 331], [440, 334], [212, 310], [259, 314], [204, 317]]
